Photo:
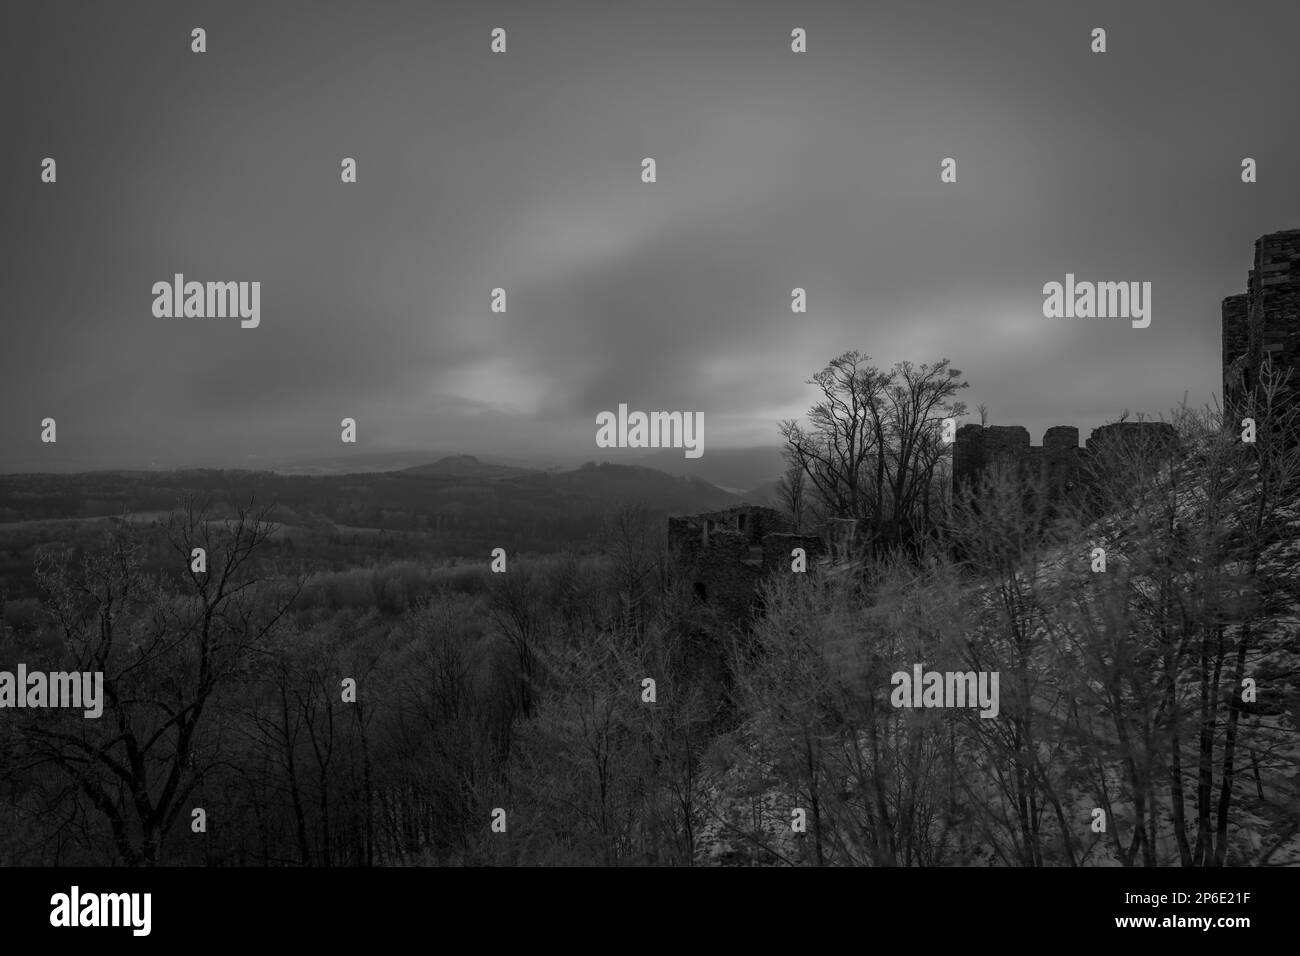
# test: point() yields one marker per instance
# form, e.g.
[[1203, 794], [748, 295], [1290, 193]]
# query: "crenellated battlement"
[[1059, 461], [1264, 321], [978, 447]]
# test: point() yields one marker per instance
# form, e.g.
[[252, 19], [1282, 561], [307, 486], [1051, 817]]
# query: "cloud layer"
[[523, 171]]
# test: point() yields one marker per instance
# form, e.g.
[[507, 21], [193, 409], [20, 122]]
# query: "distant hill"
[[351, 464], [610, 484], [733, 469], [457, 506], [465, 466], [646, 486]]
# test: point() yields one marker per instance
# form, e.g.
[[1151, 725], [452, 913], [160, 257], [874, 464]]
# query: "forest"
[[337, 685]]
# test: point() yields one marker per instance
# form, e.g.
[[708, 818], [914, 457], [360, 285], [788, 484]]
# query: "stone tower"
[[1265, 320]]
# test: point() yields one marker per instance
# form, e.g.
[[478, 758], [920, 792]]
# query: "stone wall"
[[1153, 437], [1266, 319], [1059, 461], [777, 548], [727, 553]]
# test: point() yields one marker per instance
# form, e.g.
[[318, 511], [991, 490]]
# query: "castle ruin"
[[730, 551], [1265, 320], [1059, 461]]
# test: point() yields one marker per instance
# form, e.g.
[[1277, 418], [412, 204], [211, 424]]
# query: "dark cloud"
[[522, 171]]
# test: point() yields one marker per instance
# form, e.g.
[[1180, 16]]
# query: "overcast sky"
[[476, 170]]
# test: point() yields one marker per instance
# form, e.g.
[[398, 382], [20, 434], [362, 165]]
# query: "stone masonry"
[[1265, 320], [728, 552]]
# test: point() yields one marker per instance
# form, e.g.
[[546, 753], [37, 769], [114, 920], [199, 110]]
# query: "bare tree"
[[515, 606], [790, 493], [1189, 607], [164, 658], [872, 447]]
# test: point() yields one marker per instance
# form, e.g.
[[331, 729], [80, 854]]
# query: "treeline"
[[529, 510], [1147, 663], [1149, 666], [226, 692]]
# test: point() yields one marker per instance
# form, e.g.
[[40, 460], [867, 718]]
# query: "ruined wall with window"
[[727, 553]]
